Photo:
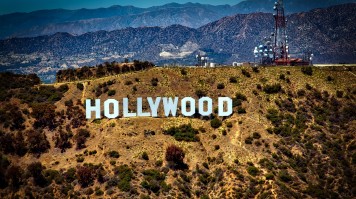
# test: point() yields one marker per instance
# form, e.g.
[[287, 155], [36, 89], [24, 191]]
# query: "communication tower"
[[280, 45]]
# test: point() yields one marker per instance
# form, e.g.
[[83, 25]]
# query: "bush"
[[301, 93], [14, 176], [37, 141], [145, 156], [272, 89], [85, 175], [220, 86], [62, 140], [184, 132], [45, 115], [114, 154], [248, 140], [200, 93], [229, 125], [339, 94], [241, 110], [307, 70], [215, 123], [183, 71], [233, 79], [125, 176], [329, 79], [284, 176], [252, 170], [81, 138], [128, 82], [154, 81], [269, 176], [154, 181], [282, 77], [111, 92], [35, 170], [159, 163], [80, 86], [246, 73], [256, 135], [175, 154], [255, 69]]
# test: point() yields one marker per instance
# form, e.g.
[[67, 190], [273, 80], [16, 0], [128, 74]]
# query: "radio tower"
[[280, 47]]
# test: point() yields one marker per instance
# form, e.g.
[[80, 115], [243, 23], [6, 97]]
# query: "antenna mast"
[[280, 34]]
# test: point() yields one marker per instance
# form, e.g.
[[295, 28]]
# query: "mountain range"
[[193, 15], [328, 33]]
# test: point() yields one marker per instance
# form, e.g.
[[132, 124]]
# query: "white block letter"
[[115, 104], [125, 106], [201, 106], [89, 108], [170, 106], [154, 105], [228, 112], [184, 106], [139, 109]]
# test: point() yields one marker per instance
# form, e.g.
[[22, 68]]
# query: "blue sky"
[[10, 6]]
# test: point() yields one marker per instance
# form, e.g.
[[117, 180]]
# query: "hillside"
[[328, 33], [291, 136]]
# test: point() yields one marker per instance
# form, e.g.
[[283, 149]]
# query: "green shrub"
[[145, 156], [269, 176], [80, 86], [233, 80], [256, 135], [246, 73], [272, 89], [220, 86], [114, 154], [215, 123], [329, 79], [99, 192], [241, 110], [248, 140], [159, 163], [284, 176], [184, 132], [307, 70], [154, 81], [200, 93], [183, 71], [111, 92], [128, 82], [125, 175], [80, 159], [252, 170], [282, 77], [339, 94], [154, 181]]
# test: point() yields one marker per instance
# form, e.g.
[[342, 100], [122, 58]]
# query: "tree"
[[37, 141], [85, 175], [175, 155], [35, 169], [215, 123]]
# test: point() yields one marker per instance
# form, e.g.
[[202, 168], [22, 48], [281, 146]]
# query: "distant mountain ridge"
[[194, 15], [329, 33]]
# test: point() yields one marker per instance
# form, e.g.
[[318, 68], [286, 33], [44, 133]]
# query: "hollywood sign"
[[170, 106]]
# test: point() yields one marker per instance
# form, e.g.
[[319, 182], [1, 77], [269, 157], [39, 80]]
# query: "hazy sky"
[[10, 6]]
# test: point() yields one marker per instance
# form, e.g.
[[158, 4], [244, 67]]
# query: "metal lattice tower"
[[280, 46]]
